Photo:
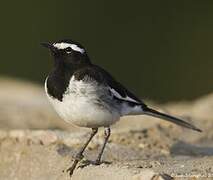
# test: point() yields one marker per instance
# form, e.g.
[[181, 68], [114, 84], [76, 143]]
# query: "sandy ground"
[[36, 144]]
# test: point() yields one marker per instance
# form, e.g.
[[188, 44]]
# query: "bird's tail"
[[180, 122]]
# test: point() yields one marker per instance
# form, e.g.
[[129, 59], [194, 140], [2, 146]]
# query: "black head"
[[68, 53]]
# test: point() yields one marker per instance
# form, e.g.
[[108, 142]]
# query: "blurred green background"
[[161, 50]]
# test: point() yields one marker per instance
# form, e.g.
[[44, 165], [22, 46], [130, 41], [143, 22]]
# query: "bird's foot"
[[71, 169], [86, 162], [77, 158]]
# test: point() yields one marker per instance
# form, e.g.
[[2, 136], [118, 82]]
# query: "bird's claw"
[[86, 162], [77, 158], [70, 170]]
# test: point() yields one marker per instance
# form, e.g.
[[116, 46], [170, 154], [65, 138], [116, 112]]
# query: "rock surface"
[[36, 144]]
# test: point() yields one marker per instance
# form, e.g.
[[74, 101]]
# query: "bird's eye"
[[68, 49]]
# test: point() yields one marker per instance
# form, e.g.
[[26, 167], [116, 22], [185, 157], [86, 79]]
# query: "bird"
[[86, 95]]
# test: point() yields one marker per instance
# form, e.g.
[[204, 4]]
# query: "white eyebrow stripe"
[[66, 45]]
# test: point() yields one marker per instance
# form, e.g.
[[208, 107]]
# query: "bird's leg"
[[98, 160], [79, 155], [107, 133]]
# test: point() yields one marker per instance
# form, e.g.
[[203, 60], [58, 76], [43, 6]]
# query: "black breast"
[[57, 83]]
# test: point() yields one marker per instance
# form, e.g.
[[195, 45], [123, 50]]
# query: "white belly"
[[83, 109]]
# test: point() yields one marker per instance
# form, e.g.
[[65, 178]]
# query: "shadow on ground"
[[186, 149]]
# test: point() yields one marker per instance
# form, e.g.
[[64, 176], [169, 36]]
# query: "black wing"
[[116, 89], [122, 94]]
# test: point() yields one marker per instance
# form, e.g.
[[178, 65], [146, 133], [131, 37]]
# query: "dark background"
[[161, 50]]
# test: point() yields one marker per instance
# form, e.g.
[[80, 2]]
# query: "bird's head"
[[68, 53]]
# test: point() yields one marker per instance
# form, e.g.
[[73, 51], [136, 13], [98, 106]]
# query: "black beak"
[[47, 45]]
